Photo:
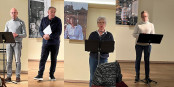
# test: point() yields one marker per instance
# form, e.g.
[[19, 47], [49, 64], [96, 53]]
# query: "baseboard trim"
[[13, 71], [121, 61], [155, 62], [76, 81], [37, 60]]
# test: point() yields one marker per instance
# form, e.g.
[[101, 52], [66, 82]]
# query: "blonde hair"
[[144, 12]]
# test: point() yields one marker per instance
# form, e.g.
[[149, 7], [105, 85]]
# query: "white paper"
[[47, 30]]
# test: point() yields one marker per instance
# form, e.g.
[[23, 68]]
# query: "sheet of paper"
[[47, 30]]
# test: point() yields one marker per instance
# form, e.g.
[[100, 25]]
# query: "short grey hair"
[[101, 18], [51, 8]]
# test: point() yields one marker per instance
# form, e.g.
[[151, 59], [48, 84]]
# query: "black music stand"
[[149, 38], [5, 37], [99, 46]]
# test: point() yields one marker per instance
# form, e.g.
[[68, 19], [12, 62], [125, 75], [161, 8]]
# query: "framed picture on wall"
[[37, 10], [75, 16], [126, 12]]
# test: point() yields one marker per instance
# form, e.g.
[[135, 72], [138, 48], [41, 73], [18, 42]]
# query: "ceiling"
[[107, 2]]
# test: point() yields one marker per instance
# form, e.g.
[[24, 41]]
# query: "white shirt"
[[143, 27]]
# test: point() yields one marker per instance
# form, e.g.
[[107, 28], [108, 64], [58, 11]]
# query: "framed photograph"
[[126, 12], [37, 10], [75, 16]]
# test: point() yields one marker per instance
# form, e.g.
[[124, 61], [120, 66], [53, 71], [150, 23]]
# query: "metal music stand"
[[99, 46], [5, 37], [149, 38]]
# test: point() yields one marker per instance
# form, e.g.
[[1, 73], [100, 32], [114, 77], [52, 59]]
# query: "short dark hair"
[[51, 8]]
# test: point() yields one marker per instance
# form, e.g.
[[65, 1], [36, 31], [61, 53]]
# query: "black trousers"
[[46, 49], [139, 49]]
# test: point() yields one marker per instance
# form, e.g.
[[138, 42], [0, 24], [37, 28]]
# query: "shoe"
[[18, 79], [137, 78], [38, 77], [148, 80], [8, 79], [52, 78]]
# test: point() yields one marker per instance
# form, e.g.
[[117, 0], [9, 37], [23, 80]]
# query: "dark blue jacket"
[[56, 27], [107, 36]]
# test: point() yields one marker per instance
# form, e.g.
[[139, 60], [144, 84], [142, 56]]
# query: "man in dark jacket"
[[50, 42]]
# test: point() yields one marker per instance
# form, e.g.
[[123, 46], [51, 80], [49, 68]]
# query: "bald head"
[[14, 13]]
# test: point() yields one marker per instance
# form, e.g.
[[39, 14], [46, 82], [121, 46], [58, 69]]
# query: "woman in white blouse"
[[144, 27], [73, 30]]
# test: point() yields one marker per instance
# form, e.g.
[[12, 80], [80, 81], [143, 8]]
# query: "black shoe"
[[8, 79], [137, 78], [38, 77], [52, 78], [148, 80]]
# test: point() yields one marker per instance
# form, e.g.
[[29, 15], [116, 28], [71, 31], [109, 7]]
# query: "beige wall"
[[22, 7], [161, 14], [163, 20]]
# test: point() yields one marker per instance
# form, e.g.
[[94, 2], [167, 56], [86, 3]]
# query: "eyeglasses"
[[101, 22]]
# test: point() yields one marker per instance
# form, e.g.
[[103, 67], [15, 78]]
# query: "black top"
[[56, 27], [107, 36]]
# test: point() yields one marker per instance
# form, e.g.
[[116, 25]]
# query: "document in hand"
[[47, 30]]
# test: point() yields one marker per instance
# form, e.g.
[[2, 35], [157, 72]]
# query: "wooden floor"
[[59, 75], [162, 73], [23, 83]]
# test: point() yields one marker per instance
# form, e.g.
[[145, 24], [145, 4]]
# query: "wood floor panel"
[[162, 73], [59, 75]]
